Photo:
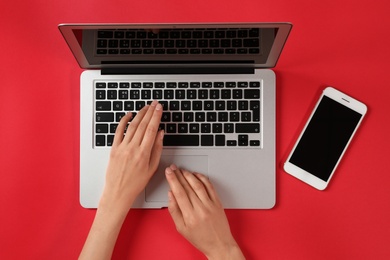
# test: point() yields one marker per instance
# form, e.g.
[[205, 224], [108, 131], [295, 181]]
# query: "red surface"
[[340, 43]]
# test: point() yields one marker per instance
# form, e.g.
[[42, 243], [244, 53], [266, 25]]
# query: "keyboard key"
[[231, 143], [139, 105], [197, 105], [200, 117], [110, 140], [100, 94], [247, 128], [188, 116], [103, 105], [118, 116], [181, 140], [117, 106], [230, 84], [180, 94], [100, 140], [129, 105], [101, 128], [166, 117], [177, 117], [174, 105], [124, 85], [252, 94], [186, 105], [234, 116], [251, 42], [254, 84], [113, 128], [217, 128], [205, 128], [171, 128], [243, 140], [255, 107], [211, 116], [242, 84], [182, 128], [112, 85], [194, 128], [134, 94], [207, 140], [228, 128], [191, 94], [105, 117], [171, 84], [123, 94], [157, 94], [168, 94], [246, 116], [105, 34], [220, 140], [112, 94], [100, 85], [254, 143], [223, 116]]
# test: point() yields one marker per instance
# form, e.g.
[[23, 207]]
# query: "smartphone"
[[325, 137]]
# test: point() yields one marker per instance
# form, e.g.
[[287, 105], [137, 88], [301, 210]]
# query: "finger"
[[209, 187], [183, 182], [149, 136], [175, 211], [132, 128], [198, 188], [156, 151], [120, 130], [143, 125], [178, 192]]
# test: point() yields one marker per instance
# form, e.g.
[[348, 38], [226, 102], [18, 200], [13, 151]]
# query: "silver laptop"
[[218, 95]]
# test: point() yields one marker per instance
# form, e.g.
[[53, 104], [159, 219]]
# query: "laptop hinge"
[[170, 71]]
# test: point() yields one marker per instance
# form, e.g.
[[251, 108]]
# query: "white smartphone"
[[325, 138]]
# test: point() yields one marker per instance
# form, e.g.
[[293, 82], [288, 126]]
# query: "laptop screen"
[[191, 45]]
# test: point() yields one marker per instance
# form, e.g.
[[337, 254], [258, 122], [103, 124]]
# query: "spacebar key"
[[181, 140]]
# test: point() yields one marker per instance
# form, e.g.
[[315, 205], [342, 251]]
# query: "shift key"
[[248, 128]]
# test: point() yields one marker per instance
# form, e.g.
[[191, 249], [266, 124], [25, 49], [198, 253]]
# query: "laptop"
[[218, 93]]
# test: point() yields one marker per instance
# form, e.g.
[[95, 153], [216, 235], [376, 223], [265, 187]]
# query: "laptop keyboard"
[[179, 41], [196, 114]]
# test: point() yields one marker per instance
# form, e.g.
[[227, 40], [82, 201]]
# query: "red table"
[[340, 43]]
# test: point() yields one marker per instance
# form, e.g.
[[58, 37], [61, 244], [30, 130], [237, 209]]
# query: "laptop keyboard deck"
[[196, 114]]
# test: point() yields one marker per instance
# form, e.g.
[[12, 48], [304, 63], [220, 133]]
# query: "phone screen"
[[325, 138]]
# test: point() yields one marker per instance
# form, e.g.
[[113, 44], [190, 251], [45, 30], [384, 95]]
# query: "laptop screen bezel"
[[249, 60]]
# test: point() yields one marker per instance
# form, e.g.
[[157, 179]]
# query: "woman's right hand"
[[199, 215]]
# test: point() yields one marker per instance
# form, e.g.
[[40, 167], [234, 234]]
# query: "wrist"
[[230, 251], [112, 202]]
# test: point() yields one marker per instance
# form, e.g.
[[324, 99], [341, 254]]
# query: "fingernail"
[[168, 170], [154, 103], [173, 167], [159, 106]]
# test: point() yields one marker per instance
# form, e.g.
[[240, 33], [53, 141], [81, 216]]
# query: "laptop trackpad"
[[157, 189]]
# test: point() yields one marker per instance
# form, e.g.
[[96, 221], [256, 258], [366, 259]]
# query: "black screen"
[[325, 138]]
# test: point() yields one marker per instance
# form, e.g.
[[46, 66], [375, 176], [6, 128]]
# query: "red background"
[[341, 43]]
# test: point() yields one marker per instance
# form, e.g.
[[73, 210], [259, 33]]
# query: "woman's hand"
[[134, 157], [133, 160], [198, 214]]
